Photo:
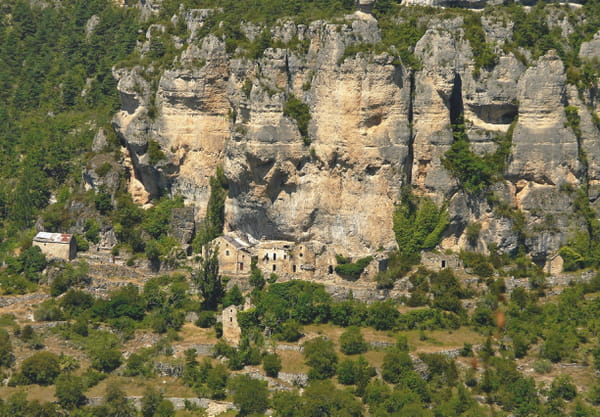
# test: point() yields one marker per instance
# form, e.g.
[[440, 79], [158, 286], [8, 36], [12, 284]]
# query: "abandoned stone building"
[[438, 261], [234, 256], [56, 245], [231, 329], [283, 257]]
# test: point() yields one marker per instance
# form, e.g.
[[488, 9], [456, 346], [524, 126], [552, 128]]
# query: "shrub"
[[233, 297], [395, 364], [290, 331], [69, 391], [320, 355], [48, 311], [272, 364], [352, 341], [355, 372], [353, 270], [300, 112], [249, 395], [6, 351], [150, 402], [41, 368], [154, 152], [206, 319], [102, 201], [542, 366], [383, 315], [418, 224], [563, 387], [572, 259], [106, 360]]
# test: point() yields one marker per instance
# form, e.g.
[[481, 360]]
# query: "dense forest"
[[459, 343]]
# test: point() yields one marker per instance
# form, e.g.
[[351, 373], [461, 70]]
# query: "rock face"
[[545, 151], [375, 126]]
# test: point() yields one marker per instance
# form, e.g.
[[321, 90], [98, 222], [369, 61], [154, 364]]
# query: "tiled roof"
[[46, 237]]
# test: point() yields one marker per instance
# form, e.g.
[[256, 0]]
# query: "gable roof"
[[46, 237], [238, 244]]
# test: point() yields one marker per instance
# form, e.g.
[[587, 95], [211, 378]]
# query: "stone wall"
[[66, 251]]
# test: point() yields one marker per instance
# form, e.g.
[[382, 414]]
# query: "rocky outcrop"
[[375, 125], [545, 151]]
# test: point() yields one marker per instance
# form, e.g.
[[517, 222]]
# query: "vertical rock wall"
[[375, 126]]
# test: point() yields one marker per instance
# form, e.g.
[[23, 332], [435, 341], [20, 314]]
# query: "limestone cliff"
[[375, 126]]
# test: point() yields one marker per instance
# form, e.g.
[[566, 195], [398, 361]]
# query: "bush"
[[272, 364], [48, 311], [41, 368], [290, 331], [542, 366], [250, 395], [563, 387], [300, 112], [352, 341], [106, 360], [165, 409], [353, 270], [6, 351], [383, 315], [320, 355], [418, 224], [206, 319], [103, 201], [154, 152], [357, 372], [69, 391], [150, 402], [233, 297], [395, 364]]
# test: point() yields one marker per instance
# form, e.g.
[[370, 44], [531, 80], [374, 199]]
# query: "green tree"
[[165, 409], [233, 297], [212, 226], [69, 391], [396, 363], [290, 331], [41, 368], [321, 398], [116, 404], [383, 315], [320, 355], [418, 224], [208, 280], [216, 381], [6, 350], [352, 341], [106, 360], [272, 364], [150, 401], [251, 396], [563, 387], [300, 112]]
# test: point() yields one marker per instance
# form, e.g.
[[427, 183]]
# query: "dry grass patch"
[[292, 362], [194, 335], [437, 340], [135, 386], [34, 392], [334, 332]]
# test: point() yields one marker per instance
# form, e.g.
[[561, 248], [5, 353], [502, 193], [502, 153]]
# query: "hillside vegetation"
[[143, 335]]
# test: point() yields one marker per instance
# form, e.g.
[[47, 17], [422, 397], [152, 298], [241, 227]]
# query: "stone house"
[[438, 261], [56, 245], [231, 328], [284, 257], [554, 265], [234, 256]]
